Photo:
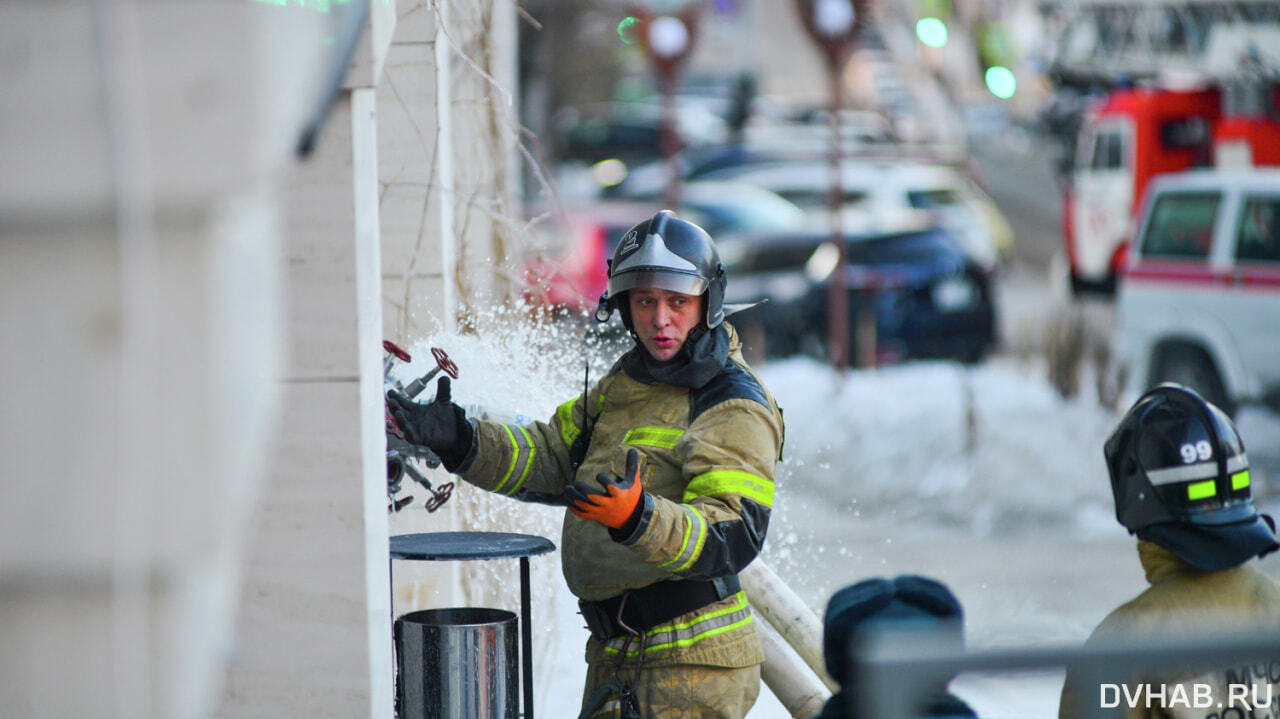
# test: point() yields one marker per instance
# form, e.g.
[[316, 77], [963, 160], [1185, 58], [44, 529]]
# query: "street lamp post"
[[667, 39], [835, 26]]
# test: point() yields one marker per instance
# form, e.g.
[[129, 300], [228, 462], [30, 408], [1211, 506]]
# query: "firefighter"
[[666, 466], [1180, 478]]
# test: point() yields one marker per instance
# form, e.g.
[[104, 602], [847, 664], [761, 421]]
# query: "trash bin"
[[456, 664]]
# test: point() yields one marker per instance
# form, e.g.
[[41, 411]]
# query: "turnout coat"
[[708, 461], [1186, 602]]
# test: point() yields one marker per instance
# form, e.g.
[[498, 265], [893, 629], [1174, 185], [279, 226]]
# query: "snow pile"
[[987, 450], [973, 475]]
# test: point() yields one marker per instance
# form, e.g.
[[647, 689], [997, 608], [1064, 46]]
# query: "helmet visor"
[[681, 282]]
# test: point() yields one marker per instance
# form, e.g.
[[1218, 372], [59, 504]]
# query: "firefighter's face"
[[663, 319]]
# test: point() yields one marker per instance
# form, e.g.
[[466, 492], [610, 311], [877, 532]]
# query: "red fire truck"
[[1134, 134]]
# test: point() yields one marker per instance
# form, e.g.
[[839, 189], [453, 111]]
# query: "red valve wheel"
[[394, 349], [443, 361], [439, 497]]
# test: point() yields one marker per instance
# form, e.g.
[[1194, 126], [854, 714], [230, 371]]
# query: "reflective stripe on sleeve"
[[695, 536], [568, 430], [731, 481], [522, 452], [684, 634], [664, 437]]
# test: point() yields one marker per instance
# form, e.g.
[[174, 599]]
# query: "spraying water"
[[983, 477]]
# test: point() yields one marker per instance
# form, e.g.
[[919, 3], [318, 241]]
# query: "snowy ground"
[[982, 477]]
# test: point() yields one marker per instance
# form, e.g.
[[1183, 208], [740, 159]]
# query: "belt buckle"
[[598, 621]]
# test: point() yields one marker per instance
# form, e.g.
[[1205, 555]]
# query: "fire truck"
[[1220, 109], [1134, 134]]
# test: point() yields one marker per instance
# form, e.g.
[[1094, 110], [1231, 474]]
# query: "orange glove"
[[617, 503]]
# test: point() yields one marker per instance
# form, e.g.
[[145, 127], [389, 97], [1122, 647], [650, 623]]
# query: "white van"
[[1199, 300]]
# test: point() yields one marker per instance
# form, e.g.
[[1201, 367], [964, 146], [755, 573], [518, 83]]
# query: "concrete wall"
[[314, 633], [393, 227], [138, 338], [193, 517], [304, 642]]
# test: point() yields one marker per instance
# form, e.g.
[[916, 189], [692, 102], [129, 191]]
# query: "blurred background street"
[[963, 237]]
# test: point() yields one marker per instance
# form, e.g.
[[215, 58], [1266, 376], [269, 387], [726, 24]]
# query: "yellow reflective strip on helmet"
[[697, 548], [1201, 490], [568, 430], [528, 462], [664, 437], [515, 454], [731, 481], [1240, 480]]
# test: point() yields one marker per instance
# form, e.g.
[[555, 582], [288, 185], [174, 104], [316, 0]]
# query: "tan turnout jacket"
[[1184, 602], [708, 459]]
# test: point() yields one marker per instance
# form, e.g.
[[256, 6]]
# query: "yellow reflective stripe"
[[740, 604], [674, 629], [692, 518], [1201, 490], [528, 461], [700, 541], [568, 430], [664, 437], [1240, 480], [731, 481], [689, 641], [515, 455], [684, 544]]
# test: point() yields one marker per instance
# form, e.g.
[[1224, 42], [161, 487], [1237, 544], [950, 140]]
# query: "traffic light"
[[995, 54], [627, 29], [931, 31], [1000, 81], [931, 28]]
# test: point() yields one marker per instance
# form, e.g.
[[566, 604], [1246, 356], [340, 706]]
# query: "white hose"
[[788, 614], [787, 676]]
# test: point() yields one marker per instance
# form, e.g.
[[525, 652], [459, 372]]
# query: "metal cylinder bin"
[[456, 664]]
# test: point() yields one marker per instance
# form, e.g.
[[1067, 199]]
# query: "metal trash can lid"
[[468, 545]]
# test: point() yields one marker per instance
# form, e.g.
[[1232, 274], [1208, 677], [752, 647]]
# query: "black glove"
[[440, 426]]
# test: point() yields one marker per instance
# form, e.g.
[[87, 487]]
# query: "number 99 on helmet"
[[1180, 478]]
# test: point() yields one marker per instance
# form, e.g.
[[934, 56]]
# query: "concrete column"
[[138, 316], [304, 644], [315, 632]]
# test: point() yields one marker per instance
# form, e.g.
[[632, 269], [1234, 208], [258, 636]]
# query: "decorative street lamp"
[[667, 37], [835, 26]]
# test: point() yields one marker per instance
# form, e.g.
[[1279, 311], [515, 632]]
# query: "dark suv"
[[928, 298]]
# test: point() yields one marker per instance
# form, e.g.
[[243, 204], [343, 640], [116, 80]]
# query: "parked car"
[[631, 132], [929, 298], [886, 186], [567, 266], [1199, 300]]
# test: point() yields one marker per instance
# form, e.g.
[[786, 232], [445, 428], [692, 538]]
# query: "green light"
[[627, 30], [932, 31], [1000, 82]]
